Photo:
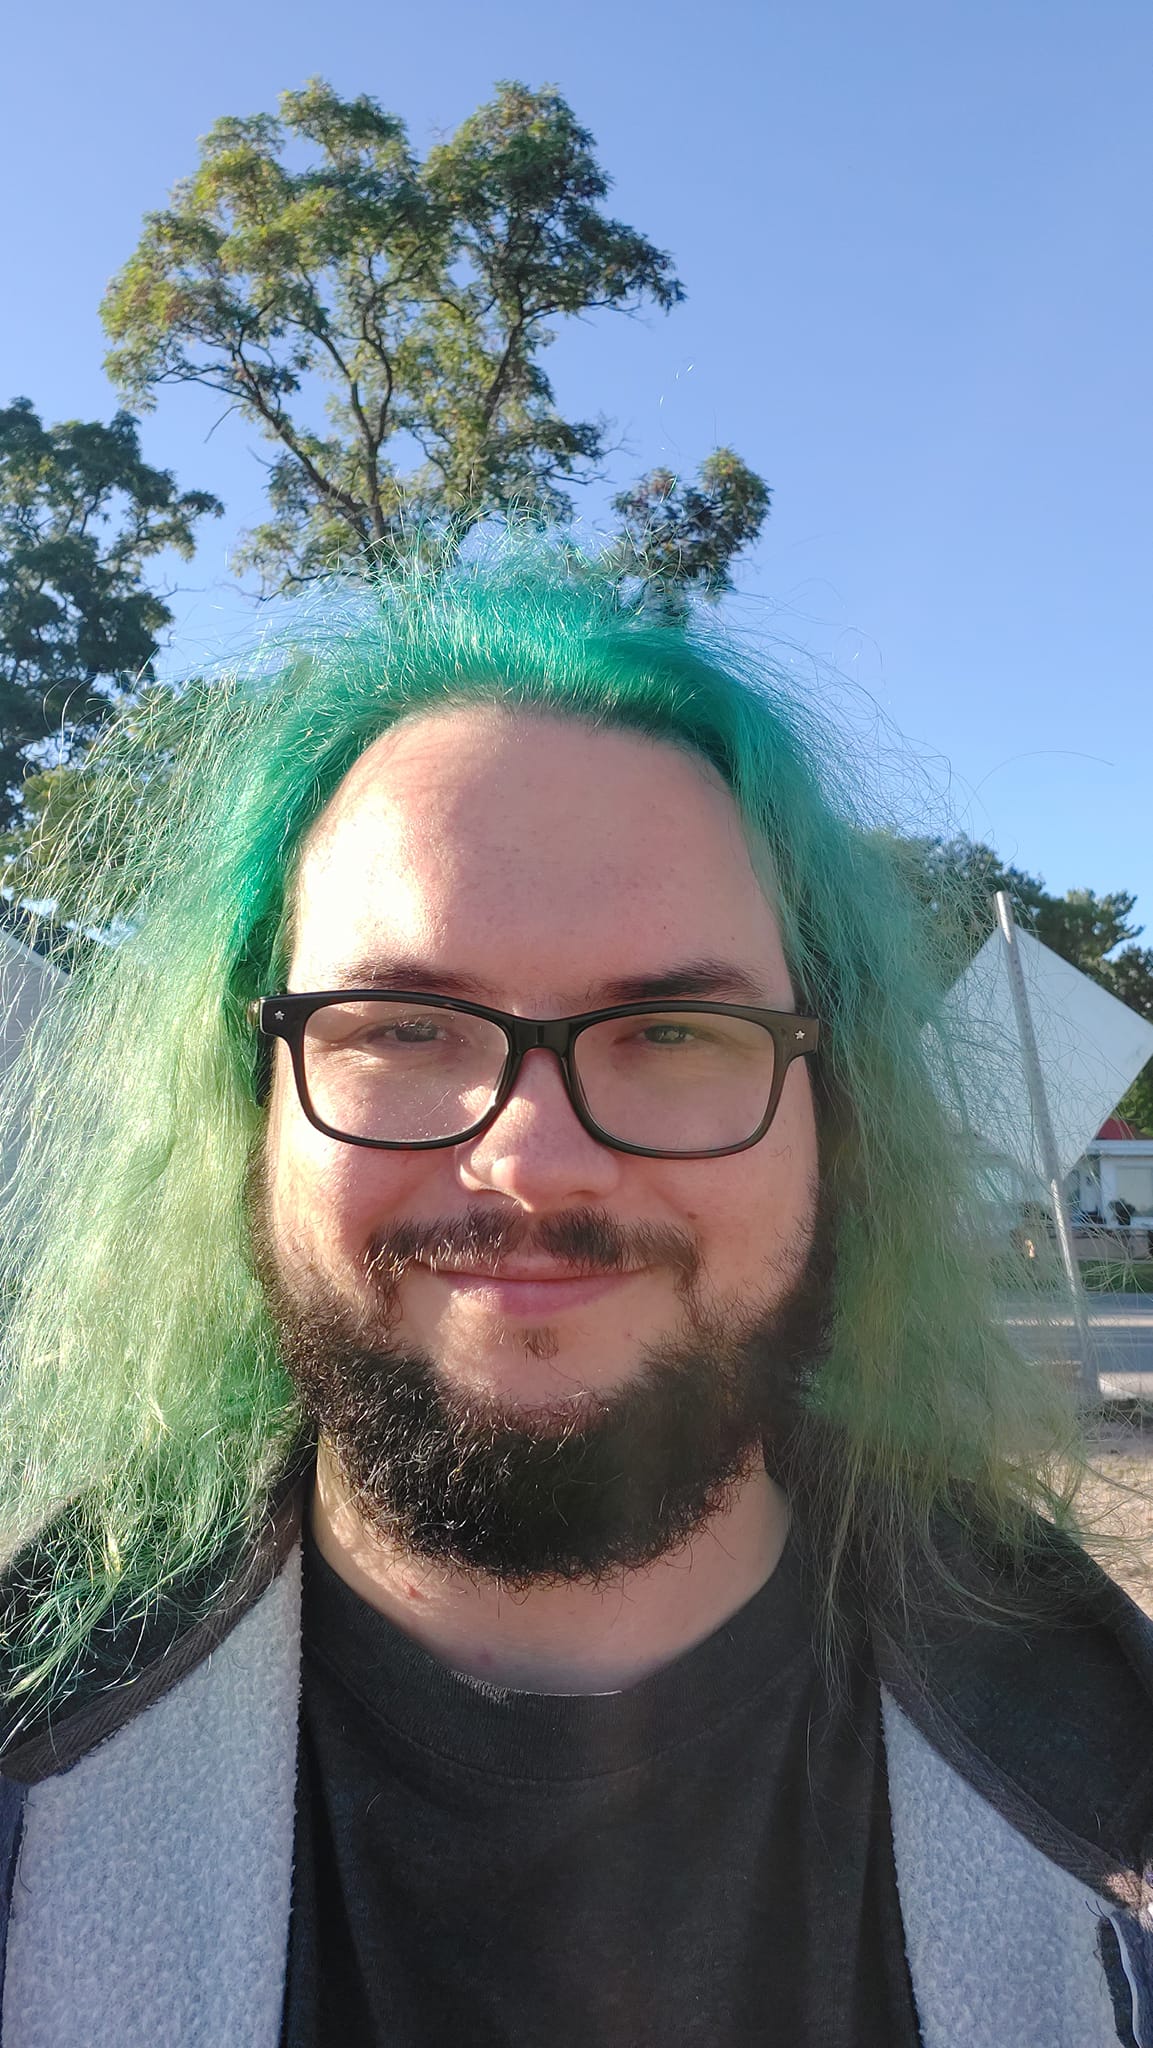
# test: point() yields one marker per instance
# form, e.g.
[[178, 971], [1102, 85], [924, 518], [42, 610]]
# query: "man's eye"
[[412, 1031], [389, 1035]]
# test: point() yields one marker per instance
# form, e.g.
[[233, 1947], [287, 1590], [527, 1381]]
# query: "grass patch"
[[1117, 1276]]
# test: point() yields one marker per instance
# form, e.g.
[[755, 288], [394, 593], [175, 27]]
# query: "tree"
[[956, 880], [1131, 979], [1085, 928], [80, 515], [1136, 1105], [680, 537], [63, 860], [315, 252]]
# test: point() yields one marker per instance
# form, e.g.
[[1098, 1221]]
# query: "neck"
[[581, 1638]]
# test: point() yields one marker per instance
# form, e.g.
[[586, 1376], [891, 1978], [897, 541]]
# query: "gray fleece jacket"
[[146, 1838]]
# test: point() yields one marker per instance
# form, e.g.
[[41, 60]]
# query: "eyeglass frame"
[[286, 1017]]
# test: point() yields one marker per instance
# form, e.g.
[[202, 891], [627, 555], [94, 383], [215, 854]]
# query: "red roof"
[[1116, 1127]]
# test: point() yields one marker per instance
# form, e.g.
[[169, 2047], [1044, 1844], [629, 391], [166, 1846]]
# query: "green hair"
[[145, 1415]]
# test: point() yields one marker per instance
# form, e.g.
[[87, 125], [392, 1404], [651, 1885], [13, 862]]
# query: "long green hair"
[[145, 1415]]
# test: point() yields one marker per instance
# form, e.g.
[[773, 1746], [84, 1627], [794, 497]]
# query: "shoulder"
[[135, 1656], [1040, 1694]]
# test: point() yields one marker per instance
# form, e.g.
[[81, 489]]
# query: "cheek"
[[329, 1199], [757, 1208]]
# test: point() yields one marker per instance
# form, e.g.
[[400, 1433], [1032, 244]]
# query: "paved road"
[[1122, 1326]]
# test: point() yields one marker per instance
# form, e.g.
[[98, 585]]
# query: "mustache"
[[587, 1240]]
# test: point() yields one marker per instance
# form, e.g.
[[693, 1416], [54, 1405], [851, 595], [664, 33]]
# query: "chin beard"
[[535, 1497]]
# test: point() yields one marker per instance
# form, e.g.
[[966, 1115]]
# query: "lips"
[[518, 1270], [536, 1288]]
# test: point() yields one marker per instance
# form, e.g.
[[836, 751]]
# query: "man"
[[497, 1180]]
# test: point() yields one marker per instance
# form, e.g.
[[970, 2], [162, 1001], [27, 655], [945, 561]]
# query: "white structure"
[[1115, 1167], [26, 982], [1090, 1047]]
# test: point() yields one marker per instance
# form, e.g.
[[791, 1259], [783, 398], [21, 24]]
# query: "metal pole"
[[1088, 1380]]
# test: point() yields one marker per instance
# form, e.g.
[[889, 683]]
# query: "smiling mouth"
[[523, 1270], [528, 1289]]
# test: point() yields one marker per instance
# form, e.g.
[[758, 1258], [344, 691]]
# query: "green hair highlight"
[[145, 1415]]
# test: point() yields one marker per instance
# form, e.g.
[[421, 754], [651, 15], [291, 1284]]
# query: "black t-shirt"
[[701, 1861]]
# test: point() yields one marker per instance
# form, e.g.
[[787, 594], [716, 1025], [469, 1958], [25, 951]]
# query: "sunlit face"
[[534, 864]]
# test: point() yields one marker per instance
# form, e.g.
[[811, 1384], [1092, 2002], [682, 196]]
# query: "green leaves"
[[680, 538], [80, 513], [382, 319], [316, 246], [1129, 976], [521, 188]]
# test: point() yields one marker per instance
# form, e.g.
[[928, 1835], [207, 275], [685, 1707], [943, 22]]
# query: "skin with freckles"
[[535, 864]]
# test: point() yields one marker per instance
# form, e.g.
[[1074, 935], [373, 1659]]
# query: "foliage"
[[316, 250], [80, 514], [1131, 979], [63, 863], [1085, 928], [680, 537], [956, 880], [1117, 1276]]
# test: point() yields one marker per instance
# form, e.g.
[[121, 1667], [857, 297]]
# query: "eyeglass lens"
[[396, 1071]]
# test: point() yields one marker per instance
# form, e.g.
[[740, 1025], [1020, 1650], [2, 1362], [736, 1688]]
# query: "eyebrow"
[[703, 980]]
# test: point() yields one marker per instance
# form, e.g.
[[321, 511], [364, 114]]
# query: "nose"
[[537, 1151]]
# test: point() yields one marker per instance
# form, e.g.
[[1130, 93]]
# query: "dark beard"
[[611, 1484]]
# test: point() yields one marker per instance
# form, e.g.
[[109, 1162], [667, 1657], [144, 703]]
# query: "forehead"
[[533, 853]]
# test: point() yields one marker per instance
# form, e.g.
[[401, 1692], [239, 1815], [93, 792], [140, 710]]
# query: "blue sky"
[[916, 243]]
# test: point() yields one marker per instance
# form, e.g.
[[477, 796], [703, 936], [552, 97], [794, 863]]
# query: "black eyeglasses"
[[410, 1072]]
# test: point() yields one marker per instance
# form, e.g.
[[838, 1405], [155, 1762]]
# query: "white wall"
[[1124, 1169], [1129, 1180]]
